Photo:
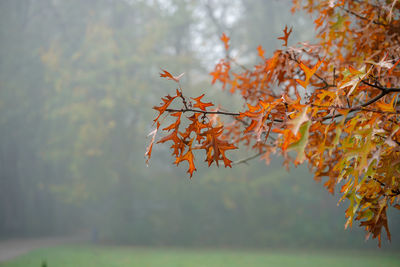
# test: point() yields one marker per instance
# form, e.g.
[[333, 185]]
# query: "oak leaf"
[[286, 35], [309, 72], [169, 76], [190, 159], [225, 39], [201, 105]]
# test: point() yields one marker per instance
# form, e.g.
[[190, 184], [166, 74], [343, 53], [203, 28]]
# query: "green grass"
[[113, 256]]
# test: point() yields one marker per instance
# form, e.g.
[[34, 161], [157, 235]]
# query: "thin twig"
[[238, 64], [245, 160], [211, 112], [202, 111]]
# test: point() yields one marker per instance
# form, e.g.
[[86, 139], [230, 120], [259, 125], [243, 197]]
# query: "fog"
[[78, 80]]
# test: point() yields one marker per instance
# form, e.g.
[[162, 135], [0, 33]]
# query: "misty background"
[[78, 80]]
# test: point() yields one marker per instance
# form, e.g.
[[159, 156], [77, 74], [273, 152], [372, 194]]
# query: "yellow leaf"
[[308, 72]]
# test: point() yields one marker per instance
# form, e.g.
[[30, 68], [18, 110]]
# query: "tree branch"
[[382, 88], [202, 111], [371, 101], [245, 160], [384, 91], [210, 112], [364, 18], [395, 192]]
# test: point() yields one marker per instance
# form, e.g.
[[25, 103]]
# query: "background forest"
[[78, 80]]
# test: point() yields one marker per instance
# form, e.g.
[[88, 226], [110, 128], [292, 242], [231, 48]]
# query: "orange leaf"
[[169, 76], [225, 39], [190, 159], [195, 126], [393, 67], [387, 107], [251, 127], [215, 147], [261, 51], [167, 101], [308, 72], [176, 124], [287, 33], [177, 146], [201, 105]]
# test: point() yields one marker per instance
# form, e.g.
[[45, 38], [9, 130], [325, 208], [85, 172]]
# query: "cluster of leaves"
[[201, 133], [335, 103]]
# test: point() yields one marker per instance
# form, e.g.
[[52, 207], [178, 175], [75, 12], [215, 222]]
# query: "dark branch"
[[371, 101], [364, 18], [395, 192], [382, 88], [210, 112], [384, 91], [202, 111], [358, 108]]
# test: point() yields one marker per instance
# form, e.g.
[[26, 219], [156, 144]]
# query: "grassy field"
[[112, 256]]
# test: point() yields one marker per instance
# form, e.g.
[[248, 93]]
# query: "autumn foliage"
[[333, 103]]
